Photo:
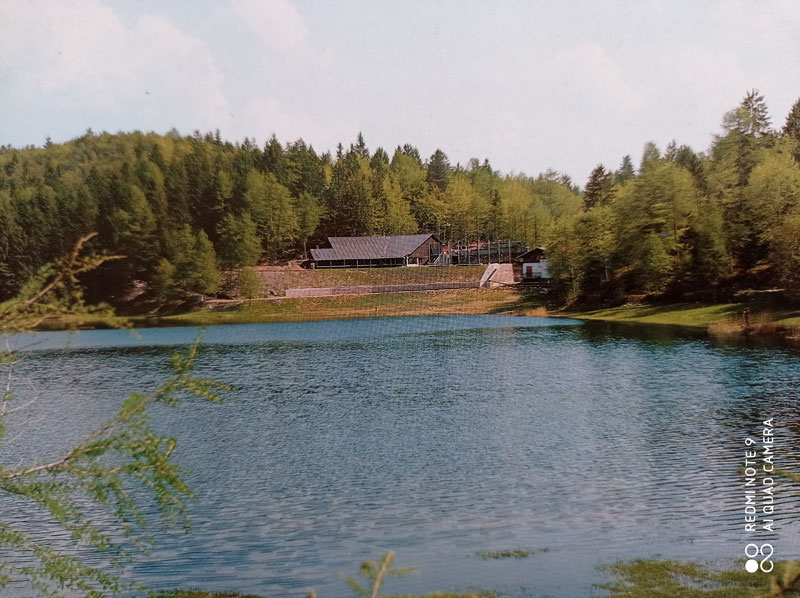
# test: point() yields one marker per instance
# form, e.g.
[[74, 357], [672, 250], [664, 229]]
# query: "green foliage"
[[194, 260], [309, 214], [750, 117], [54, 292], [792, 125], [250, 283], [101, 477], [599, 189], [785, 253], [652, 264], [466, 209], [625, 172], [349, 209], [143, 192], [685, 222], [376, 574], [565, 261], [672, 579], [651, 156], [163, 281], [239, 243], [397, 217], [438, 170], [773, 190], [272, 209], [523, 212]]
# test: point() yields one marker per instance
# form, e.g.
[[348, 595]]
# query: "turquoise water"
[[439, 438]]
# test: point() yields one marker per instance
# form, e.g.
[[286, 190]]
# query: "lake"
[[440, 438]]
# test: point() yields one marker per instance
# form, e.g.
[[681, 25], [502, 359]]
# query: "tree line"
[[690, 223], [181, 209]]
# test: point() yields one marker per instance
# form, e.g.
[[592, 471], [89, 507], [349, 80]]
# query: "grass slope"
[[460, 301], [721, 317]]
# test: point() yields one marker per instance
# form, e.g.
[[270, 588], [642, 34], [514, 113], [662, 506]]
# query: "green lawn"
[[456, 301], [721, 316]]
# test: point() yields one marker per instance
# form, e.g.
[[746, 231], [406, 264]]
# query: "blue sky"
[[530, 85]]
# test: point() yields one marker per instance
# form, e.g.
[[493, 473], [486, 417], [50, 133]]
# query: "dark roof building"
[[394, 250]]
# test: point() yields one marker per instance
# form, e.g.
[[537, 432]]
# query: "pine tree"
[[651, 157], [412, 152], [750, 117], [599, 189], [792, 126], [360, 147], [671, 151], [274, 160], [438, 170], [625, 172], [349, 198], [194, 261], [238, 244]]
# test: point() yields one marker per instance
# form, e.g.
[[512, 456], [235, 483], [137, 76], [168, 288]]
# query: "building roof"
[[531, 253], [370, 248]]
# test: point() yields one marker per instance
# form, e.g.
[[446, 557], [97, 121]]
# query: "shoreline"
[[720, 319]]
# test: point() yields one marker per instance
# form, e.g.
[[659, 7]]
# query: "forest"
[[182, 209]]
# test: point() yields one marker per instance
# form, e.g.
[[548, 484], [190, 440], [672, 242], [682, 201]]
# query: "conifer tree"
[[792, 126], [274, 160], [750, 117], [599, 189], [438, 170], [238, 244], [360, 147], [651, 157], [625, 171]]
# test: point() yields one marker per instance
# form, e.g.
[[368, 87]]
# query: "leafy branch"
[[106, 475], [376, 573], [54, 291]]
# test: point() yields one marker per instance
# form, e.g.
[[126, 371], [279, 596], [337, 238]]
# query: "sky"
[[530, 85]]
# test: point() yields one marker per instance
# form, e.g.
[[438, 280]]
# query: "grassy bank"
[[446, 302], [720, 318], [460, 301]]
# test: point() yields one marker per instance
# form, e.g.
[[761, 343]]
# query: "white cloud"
[[78, 53], [588, 68], [277, 23], [712, 79], [263, 117]]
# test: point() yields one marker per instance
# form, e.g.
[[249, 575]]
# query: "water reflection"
[[442, 437]]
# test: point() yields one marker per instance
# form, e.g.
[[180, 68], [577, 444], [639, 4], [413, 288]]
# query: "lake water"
[[439, 438]]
